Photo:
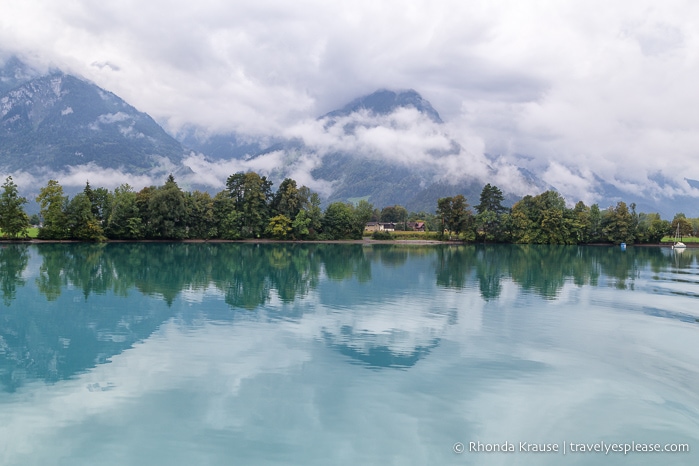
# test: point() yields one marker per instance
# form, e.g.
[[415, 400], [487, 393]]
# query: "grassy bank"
[[33, 232], [686, 239], [414, 235]]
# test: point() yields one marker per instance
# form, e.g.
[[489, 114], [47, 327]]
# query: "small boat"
[[678, 244]]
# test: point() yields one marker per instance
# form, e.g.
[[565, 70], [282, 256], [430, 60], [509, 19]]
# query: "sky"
[[573, 89]]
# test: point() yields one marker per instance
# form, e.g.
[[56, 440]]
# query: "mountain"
[[389, 147], [58, 120], [13, 73], [221, 146], [385, 102]]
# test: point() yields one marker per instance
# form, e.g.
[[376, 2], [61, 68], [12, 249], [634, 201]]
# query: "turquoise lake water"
[[326, 354]]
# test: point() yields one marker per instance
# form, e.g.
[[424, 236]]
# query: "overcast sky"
[[579, 86]]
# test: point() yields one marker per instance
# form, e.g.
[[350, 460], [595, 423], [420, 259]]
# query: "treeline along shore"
[[248, 208]]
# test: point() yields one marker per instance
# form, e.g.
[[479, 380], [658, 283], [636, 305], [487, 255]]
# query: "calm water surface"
[[218, 354]]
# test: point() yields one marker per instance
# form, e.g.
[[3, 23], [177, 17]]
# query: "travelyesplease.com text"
[[567, 447]]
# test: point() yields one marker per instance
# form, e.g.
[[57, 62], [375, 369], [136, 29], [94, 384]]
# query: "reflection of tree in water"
[[294, 270], [13, 260], [454, 265], [51, 279], [542, 269], [390, 255], [246, 273], [490, 269], [681, 259], [165, 269], [242, 275], [623, 267], [342, 262]]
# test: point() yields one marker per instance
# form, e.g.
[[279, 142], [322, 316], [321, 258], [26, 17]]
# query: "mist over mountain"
[[389, 147], [13, 73]]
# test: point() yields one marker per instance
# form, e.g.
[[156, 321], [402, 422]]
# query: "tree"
[[287, 200], [490, 210], [308, 221], [52, 205], [362, 214], [100, 202], [491, 200], [581, 223], [251, 195], [200, 215], [338, 221], [454, 213], [651, 228], [279, 227], [13, 219], [225, 217], [487, 225], [685, 226], [617, 223], [553, 219], [394, 214], [542, 219], [167, 212], [81, 222], [521, 223], [124, 221], [594, 233]]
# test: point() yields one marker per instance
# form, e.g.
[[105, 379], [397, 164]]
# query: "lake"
[[347, 354]]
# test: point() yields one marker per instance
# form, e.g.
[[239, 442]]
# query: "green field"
[[686, 239], [417, 235], [33, 232]]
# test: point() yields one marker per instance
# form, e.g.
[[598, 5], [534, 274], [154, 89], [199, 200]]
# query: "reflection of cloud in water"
[[394, 333], [212, 361], [265, 388]]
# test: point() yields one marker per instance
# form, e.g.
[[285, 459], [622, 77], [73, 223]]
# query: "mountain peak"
[[14, 72], [384, 102], [59, 120]]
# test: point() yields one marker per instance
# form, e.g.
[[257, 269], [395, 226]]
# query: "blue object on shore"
[[623, 246]]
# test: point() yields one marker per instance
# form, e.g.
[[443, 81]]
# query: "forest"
[[248, 208]]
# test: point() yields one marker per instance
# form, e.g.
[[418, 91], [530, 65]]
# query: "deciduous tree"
[[52, 205]]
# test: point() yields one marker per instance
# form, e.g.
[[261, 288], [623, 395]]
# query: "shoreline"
[[365, 241]]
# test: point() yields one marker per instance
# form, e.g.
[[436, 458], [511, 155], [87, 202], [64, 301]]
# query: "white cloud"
[[595, 87]]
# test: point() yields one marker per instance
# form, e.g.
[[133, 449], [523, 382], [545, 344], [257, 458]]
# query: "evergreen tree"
[[491, 200], [13, 219], [489, 213]]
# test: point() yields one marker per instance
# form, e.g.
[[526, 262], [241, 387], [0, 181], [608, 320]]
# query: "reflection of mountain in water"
[[379, 356], [377, 305]]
